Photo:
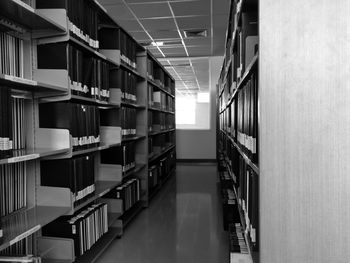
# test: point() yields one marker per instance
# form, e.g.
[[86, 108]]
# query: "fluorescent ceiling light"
[[157, 44]]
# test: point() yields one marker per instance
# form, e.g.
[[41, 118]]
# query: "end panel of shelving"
[[113, 205], [54, 77], [111, 134], [56, 248]]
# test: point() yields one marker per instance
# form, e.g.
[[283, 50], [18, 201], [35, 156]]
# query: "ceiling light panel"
[[166, 24]]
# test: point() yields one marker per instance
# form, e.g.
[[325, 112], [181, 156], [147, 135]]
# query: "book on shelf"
[[159, 143], [249, 38], [117, 39], [239, 252], [150, 68], [128, 192], [159, 76], [123, 155], [11, 55], [247, 118], [21, 248], [126, 82], [150, 121], [128, 122], [150, 146], [77, 174], [85, 227], [153, 177], [82, 121], [88, 74], [82, 16], [158, 121], [13, 188]]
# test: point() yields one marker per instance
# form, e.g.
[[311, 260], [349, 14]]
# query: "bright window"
[[193, 111]]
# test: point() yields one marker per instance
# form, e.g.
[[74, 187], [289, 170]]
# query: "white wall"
[[201, 144]]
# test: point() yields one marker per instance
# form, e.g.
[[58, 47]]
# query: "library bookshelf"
[[238, 142], [84, 141]]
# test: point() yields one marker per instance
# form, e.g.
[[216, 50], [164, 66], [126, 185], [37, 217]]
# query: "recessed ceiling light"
[[157, 44]]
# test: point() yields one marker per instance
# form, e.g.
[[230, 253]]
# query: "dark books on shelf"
[[13, 188], [82, 121], [116, 38], [128, 122], [150, 121], [150, 68], [85, 227], [248, 39], [129, 192], [159, 143], [159, 75], [88, 74], [123, 155], [237, 241], [126, 82], [6, 135], [22, 247], [11, 56], [247, 118], [153, 177], [159, 121], [82, 15], [77, 174]]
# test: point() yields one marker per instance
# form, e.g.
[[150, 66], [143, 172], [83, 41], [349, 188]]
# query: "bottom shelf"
[[96, 251], [129, 215]]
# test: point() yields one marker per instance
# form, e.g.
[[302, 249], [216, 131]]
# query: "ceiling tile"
[[199, 51], [165, 34], [202, 22], [119, 12], [191, 8], [151, 10], [110, 2], [222, 8], [166, 24], [200, 41], [140, 36], [130, 25]]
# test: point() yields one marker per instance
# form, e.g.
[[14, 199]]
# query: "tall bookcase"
[[302, 122], [78, 158], [238, 138]]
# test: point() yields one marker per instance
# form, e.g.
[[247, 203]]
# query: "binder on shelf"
[[117, 44], [87, 74], [126, 82], [19, 249], [12, 55], [77, 174], [128, 193], [123, 155], [82, 16], [13, 188], [248, 39], [85, 227], [82, 121]]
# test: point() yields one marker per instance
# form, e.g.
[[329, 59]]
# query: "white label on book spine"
[[253, 145]]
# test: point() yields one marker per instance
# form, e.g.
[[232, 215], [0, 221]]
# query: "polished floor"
[[182, 225]]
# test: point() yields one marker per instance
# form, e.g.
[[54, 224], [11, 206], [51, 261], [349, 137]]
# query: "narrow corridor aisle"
[[182, 225]]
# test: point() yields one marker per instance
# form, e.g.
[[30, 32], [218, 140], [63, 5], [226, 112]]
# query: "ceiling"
[[186, 58]]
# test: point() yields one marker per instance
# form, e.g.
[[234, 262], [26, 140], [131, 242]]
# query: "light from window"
[[203, 97], [185, 110]]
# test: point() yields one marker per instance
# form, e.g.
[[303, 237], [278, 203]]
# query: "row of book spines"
[[128, 122], [126, 82], [83, 18], [117, 39], [237, 240], [83, 121], [129, 192], [77, 174], [157, 74], [85, 227], [248, 191], [123, 155], [23, 247], [247, 116], [11, 55], [160, 99], [13, 188]]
